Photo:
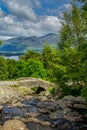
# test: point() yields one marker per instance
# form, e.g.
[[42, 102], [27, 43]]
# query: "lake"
[[12, 57]]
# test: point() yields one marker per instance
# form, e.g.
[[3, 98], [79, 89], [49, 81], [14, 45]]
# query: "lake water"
[[12, 57]]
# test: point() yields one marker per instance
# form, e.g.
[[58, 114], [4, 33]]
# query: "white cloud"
[[65, 6], [50, 24], [5, 37], [23, 21], [59, 11], [9, 20], [36, 3], [21, 9]]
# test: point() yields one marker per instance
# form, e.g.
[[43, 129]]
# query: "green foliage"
[[3, 69], [31, 54], [35, 89], [73, 26], [71, 60], [84, 92], [0, 42], [84, 4], [71, 90], [52, 90], [11, 68], [59, 72], [14, 86], [21, 70], [46, 55], [83, 73], [35, 69], [50, 58]]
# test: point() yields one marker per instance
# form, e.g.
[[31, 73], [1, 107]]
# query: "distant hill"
[[23, 44]]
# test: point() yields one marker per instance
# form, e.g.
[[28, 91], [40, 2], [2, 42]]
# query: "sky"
[[31, 17]]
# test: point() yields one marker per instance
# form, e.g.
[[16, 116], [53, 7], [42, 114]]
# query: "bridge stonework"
[[35, 82]]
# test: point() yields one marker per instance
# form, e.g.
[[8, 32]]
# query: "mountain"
[[23, 44]]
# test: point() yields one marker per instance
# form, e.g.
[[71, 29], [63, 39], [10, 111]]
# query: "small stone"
[[66, 126], [1, 107], [35, 120], [0, 127], [6, 112], [44, 111], [29, 115]]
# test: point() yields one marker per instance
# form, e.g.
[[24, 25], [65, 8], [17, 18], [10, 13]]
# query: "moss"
[[14, 86], [24, 91], [35, 89], [52, 90]]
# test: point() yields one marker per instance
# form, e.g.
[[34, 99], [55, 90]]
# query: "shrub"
[[35, 69], [71, 90], [52, 90], [84, 92]]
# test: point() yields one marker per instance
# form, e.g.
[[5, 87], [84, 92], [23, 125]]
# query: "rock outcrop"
[[70, 108], [78, 103], [14, 125], [20, 106]]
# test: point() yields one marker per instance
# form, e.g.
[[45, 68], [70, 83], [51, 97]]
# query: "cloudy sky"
[[30, 17]]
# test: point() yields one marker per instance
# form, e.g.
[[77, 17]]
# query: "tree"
[[35, 69], [3, 69], [72, 32], [31, 54], [0, 42], [50, 58], [11, 68], [46, 55], [84, 3], [20, 69], [73, 46]]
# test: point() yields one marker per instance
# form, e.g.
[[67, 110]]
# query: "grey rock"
[[73, 102], [14, 125]]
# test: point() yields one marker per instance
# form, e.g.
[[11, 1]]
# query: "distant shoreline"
[[11, 54], [12, 57]]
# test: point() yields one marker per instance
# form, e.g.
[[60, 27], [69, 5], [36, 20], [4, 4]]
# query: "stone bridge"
[[35, 82]]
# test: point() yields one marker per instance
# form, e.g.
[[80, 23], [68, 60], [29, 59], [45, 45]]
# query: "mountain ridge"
[[22, 44]]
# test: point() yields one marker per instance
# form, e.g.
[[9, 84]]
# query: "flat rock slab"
[[4, 83]]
